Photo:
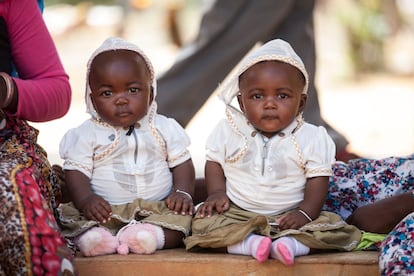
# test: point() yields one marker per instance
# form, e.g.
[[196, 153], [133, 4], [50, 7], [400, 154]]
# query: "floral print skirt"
[[396, 251], [363, 181]]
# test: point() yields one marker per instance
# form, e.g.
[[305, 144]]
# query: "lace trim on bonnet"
[[274, 50], [113, 44]]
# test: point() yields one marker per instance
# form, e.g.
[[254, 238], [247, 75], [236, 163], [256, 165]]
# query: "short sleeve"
[[319, 152], [176, 139], [216, 141], [76, 149]]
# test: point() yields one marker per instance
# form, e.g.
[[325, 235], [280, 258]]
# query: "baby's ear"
[[302, 102], [92, 100], [151, 94], [239, 100]]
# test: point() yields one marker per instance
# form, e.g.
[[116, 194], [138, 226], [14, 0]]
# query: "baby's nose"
[[121, 98], [270, 102]]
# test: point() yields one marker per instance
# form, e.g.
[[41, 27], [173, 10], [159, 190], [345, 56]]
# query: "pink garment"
[[43, 85]]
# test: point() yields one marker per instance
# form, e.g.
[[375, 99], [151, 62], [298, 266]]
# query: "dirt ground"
[[374, 112]]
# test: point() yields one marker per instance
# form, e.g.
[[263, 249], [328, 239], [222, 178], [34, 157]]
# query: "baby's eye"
[[257, 96], [106, 93], [133, 90], [283, 96]]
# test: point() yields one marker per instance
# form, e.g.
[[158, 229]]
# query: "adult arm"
[[44, 91], [391, 211]]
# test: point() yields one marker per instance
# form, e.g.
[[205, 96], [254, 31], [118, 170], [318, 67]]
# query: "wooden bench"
[[179, 262]]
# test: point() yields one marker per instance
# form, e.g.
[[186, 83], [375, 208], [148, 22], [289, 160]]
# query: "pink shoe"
[[97, 241]]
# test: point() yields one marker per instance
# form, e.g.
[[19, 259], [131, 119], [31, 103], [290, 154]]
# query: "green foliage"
[[367, 27]]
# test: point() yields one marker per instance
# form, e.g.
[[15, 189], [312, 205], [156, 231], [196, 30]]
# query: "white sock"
[[160, 236], [254, 245]]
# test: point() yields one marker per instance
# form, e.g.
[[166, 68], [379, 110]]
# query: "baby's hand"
[[180, 202], [96, 208], [292, 220], [216, 201]]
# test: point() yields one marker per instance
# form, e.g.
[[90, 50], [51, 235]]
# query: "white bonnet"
[[277, 50], [274, 50], [113, 44]]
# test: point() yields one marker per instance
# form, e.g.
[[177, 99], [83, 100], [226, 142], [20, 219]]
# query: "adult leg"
[[396, 251], [227, 32], [363, 190], [298, 30]]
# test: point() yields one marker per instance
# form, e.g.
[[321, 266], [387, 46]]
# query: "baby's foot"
[[283, 253], [261, 253], [97, 241], [285, 249], [255, 245], [140, 239]]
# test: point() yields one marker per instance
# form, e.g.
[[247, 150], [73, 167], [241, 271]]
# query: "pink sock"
[[254, 245], [97, 241], [141, 238], [285, 249]]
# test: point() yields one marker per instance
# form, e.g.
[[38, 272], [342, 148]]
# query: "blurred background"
[[365, 64]]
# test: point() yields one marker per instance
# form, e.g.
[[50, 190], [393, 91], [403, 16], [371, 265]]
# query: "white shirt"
[[270, 177], [123, 168]]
